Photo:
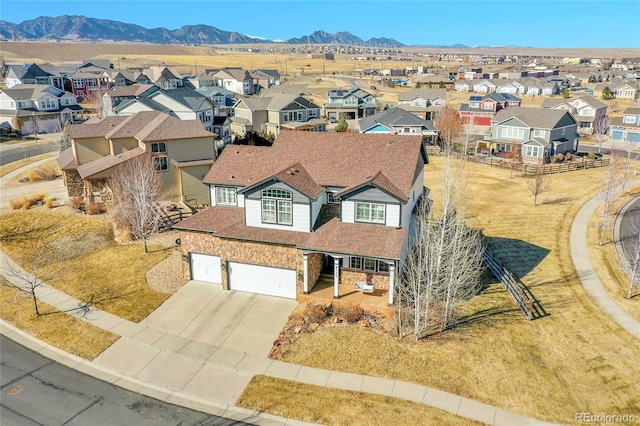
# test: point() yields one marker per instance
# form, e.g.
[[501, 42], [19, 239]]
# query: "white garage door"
[[262, 279], [205, 267]]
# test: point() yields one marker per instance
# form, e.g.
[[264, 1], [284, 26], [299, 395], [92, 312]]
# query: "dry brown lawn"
[[84, 261], [575, 359], [8, 168], [54, 327], [343, 407]]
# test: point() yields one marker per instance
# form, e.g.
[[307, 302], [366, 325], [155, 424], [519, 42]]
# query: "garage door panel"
[[206, 267], [262, 279]]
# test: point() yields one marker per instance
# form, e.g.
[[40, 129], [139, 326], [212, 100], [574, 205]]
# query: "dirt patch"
[[166, 276]]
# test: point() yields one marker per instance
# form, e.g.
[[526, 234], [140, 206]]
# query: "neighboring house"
[[627, 127], [163, 77], [89, 78], [481, 109], [37, 108], [536, 133], [122, 78], [312, 203], [590, 113], [33, 74], [120, 93], [399, 122], [183, 151], [184, 103], [273, 113], [235, 80], [621, 89], [264, 79], [350, 104], [223, 100], [423, 102]]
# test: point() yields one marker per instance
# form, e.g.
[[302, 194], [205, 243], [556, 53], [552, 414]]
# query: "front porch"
[[323, 292]]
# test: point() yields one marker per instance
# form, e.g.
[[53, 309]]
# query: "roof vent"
[[293, 172]]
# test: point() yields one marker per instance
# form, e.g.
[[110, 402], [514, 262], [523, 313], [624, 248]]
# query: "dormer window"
[[370, 212], [226, 196], [331, 198], [277, 206]]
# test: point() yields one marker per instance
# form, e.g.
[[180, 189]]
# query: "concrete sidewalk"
[[584, 268], [209, 378]]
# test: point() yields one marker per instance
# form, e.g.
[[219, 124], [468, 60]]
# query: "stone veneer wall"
[[315, 267], [255, 253], [350, 276], [74, 183]]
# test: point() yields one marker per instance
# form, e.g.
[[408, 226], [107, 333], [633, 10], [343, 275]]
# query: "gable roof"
[[424, 93], [22, 92], [186, 96], [395, 117], [535, 117], [380, 181], [331, 159], [108, 161], [131, 90], [144, 126], [297, 177]]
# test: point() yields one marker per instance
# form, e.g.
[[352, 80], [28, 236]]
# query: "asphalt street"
[[15, 152], [39, 391]]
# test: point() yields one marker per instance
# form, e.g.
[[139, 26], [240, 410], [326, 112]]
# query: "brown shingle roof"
[[299, 178], [66, 160], [333, 237], [104, 163], [378, 180], [331, 159]]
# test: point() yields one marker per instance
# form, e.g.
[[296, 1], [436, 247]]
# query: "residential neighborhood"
[[319, 230]]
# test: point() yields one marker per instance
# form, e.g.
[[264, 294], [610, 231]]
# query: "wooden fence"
[[529, 306]]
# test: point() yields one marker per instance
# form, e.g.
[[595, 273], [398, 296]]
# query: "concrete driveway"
[[243, 322]]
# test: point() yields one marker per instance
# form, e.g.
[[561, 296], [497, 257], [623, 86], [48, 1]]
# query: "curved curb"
[[584, 268], [139, 386]]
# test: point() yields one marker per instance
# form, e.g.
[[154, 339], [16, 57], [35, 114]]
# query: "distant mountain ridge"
[[81, 28]]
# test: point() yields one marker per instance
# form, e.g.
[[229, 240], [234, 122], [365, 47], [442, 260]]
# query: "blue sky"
[[542, 23]]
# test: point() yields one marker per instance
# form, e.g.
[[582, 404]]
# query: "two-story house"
[[236, 80], [273, 113], [45, 74], [423, 102], [621, 89], [89, 78], [182, 150], [37, 108], [627, 127], [163, 77], [336, 203], [590, 113], [184, 103], [399, 122], [120, 93], [350, 104], [537, 134], [265, 78], [481, 109]]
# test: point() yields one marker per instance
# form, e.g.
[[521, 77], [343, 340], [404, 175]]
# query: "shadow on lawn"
[[518, 258]]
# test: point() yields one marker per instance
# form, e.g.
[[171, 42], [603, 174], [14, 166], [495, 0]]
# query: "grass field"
[[82, 260], [575, 359]]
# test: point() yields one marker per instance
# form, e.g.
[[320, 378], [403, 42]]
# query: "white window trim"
[[370, 208], [159, 146], [282, 200], [226, 196], [161, 163]]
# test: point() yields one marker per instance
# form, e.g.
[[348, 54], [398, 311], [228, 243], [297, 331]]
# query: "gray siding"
[[371, 194], [297, 197]]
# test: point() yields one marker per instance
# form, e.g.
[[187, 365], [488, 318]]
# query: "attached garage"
[[206, 268], [617, 135], [262, 279]]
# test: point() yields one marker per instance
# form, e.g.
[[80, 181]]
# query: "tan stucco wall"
[[191, 149]]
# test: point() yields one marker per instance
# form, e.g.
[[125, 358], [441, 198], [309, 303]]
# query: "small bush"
[[592, 156], [315, 312], [350, 313], [16, 203], [95, 208], [77, 202], [49, 202], [45, 172]]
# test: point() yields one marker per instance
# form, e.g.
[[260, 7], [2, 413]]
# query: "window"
[[488, 105], [369, 212], [158, 147], [627, 118], [511, 132], [368, 264], [47, 103], [226, 196], [161, 162], [532, 151], [277, 206], [539, 133], [331, 198], [21, 104]]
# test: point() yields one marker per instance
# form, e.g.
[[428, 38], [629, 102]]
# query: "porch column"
[[305, 264], [336, 277], [392, 276]]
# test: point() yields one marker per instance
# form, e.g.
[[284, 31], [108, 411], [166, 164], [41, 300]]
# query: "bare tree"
[[93, 98], [633, 262], [514, 156], [600, 128], [538, 183], [137, 191], [444, 265], [448, 122], [613, 180], [28, 281]]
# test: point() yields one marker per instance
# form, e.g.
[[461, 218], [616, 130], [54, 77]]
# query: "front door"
[[327, 264]]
